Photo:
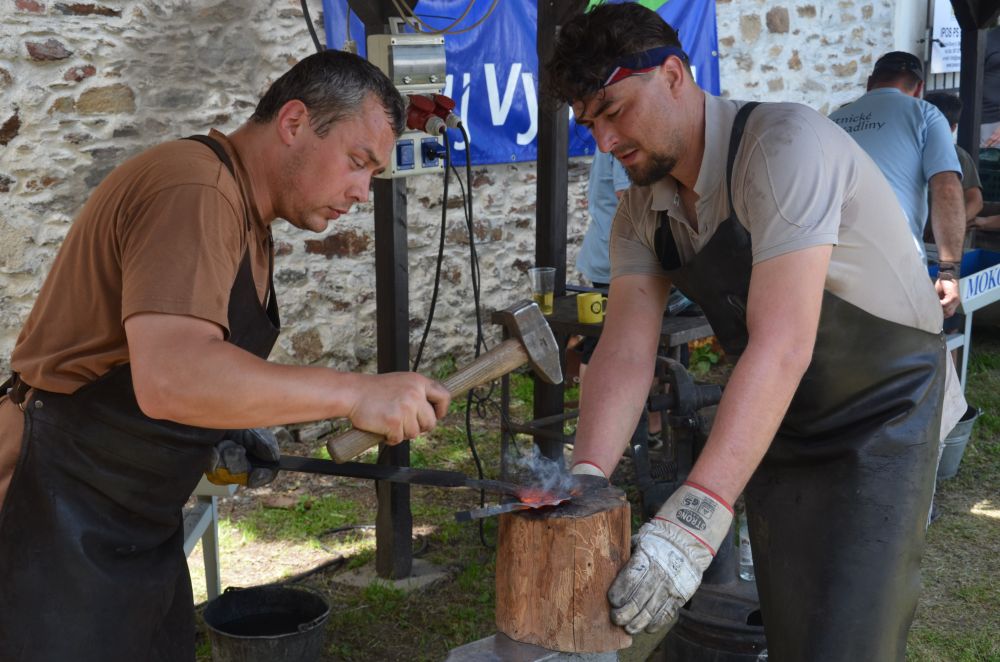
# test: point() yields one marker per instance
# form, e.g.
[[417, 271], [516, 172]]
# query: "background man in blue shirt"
[[608, 180], [910, 141]]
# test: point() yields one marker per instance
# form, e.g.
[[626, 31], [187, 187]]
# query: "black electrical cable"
[[440, 256], [312, 29], [480, 337]]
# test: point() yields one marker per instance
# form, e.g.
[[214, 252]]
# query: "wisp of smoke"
[[537, 470]]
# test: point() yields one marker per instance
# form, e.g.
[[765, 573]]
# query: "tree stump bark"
[[554, 568]]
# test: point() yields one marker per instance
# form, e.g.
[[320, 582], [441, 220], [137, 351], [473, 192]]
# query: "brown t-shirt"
[[164, 233]]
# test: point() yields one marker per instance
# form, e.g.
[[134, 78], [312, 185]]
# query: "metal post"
[[210, 549], [394, 522], [551, 205], [971, 89]]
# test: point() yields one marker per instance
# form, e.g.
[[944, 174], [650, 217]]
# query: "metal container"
[[722, 623], [267, 624], [955, 443]]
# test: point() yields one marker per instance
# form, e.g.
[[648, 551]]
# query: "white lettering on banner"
[[499, 109], [529, 92]]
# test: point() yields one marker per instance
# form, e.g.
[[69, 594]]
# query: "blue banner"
[[493, 68]]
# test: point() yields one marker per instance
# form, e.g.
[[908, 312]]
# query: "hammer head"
[[525, 322]]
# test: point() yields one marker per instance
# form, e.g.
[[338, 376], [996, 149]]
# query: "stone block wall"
[[83, 86], [818, 53]]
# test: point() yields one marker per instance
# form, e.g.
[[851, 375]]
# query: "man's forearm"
[[621, 370], [223, 386], [611, 403], [755, 400], [948, 216], [973, 203]]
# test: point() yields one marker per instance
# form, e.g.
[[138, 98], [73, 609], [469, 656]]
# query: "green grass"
[[310, 518], [957, 618]]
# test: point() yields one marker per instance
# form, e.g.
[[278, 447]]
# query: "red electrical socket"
[[420, 109]]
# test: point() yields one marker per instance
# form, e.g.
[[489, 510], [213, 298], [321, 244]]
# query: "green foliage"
[[702, 359], [522, 389], [445, 368]]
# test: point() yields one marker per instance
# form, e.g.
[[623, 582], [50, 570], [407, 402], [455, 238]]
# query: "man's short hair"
[[898, 66], [332, 84], [590, 45], [949, 105]]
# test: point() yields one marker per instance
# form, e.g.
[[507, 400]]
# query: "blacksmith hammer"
[[531, 342]]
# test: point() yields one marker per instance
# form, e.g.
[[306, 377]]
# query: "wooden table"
[[674, 331]]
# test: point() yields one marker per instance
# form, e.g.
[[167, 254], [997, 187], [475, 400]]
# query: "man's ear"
[[673, 70], [868, 87], [292, 119]]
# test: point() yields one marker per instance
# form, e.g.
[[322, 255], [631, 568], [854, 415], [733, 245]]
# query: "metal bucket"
[[266, 624], [721, 623], [954, 444]]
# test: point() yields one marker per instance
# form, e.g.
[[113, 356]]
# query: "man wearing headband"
[[790, 239]]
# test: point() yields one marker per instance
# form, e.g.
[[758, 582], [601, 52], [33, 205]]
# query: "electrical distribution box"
[[415, 63]]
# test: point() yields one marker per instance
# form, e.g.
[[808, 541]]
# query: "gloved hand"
[[230, 464], [671, 552]]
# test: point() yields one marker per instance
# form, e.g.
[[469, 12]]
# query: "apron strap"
[[735, 138], [666, 247], [216, 147]]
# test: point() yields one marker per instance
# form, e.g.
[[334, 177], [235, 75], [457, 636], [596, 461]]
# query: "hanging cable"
[[440, 256], [419, 25], [480, 345], [479, 22], [312, 29]]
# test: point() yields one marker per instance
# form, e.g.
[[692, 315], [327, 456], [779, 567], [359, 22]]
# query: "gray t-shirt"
[[799, 181]]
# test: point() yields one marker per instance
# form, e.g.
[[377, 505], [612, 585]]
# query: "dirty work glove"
[[671, 552], [231, 458]]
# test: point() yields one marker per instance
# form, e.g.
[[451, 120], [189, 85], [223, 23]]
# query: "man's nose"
[[359, 190], [605, 138]]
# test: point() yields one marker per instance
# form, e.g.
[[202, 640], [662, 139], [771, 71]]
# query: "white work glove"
[[670, 553]]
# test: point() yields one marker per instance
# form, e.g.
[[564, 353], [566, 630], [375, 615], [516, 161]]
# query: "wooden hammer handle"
[[505, 357]]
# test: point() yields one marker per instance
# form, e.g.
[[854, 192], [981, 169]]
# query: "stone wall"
[[84, 86], [818, 53]]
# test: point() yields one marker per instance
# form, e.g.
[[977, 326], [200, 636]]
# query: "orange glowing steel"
[[535, 495]]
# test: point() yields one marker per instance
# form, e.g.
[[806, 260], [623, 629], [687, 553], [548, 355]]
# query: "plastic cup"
[[543, 287]]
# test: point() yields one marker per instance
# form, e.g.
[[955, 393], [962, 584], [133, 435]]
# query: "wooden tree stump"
[[554, 568]]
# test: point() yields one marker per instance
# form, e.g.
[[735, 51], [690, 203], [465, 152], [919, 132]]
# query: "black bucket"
[[266, 623]]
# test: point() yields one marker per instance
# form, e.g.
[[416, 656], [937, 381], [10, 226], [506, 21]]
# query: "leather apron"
[[92, 565], [837, 508]]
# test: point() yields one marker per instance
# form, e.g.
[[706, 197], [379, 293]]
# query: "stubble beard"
[[658, 167]]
